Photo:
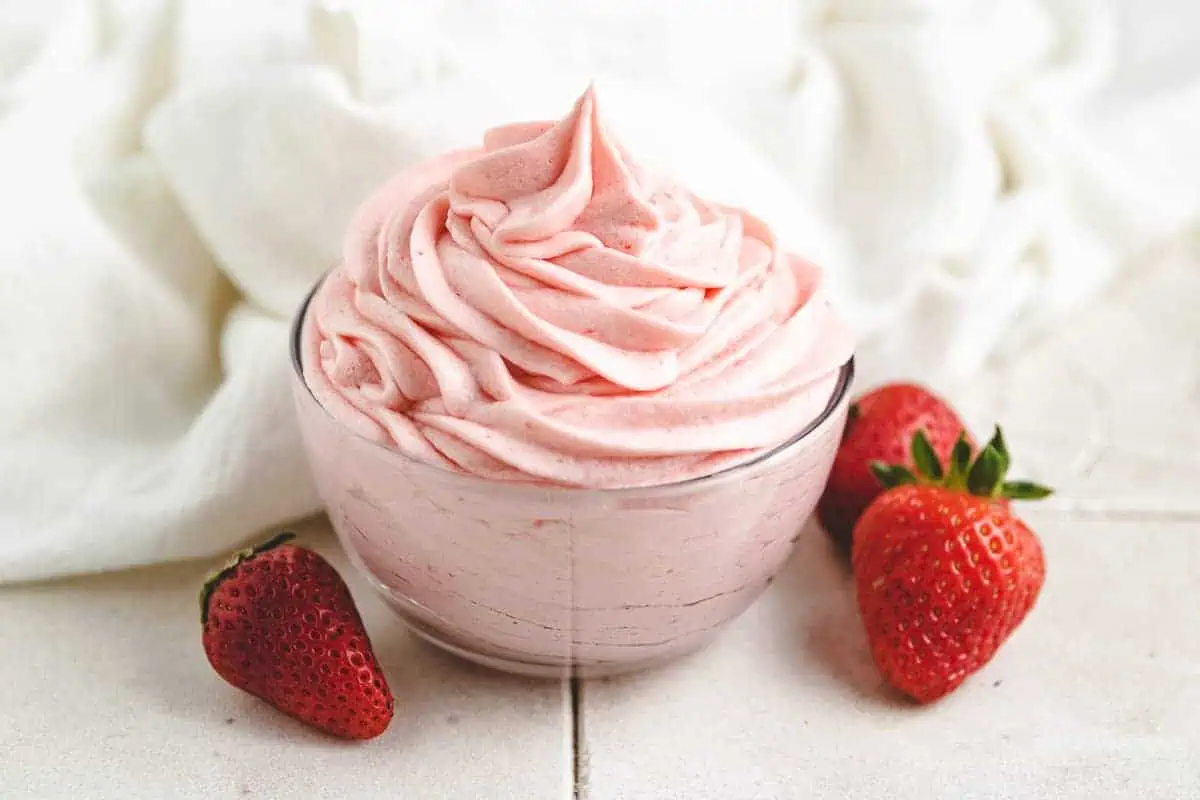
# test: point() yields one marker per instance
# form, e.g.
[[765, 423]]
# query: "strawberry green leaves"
[[1024, 490], [892, 475], [985, 476], [923, 456], [960, 462], [986, 473]]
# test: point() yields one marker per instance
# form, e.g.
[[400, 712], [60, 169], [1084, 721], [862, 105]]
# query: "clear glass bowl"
[[548, 581]]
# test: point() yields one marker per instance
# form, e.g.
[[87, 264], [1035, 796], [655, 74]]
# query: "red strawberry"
[[280, 624], [944, 570], [880, 427]]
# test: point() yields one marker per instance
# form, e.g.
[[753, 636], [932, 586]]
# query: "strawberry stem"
[[214, 579], [960, 462]]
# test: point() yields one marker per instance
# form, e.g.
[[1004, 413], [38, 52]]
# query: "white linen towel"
[[175, 175]]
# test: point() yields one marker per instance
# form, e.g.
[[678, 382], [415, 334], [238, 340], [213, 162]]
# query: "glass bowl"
[[550, 581]]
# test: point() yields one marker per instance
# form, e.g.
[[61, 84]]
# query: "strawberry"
[[879, 428], [944, 571], [280, 624]]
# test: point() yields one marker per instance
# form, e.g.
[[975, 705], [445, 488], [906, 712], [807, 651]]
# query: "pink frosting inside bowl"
[[545, 309]]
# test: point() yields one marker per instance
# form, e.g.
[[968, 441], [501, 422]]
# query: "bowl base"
[[545, 670]]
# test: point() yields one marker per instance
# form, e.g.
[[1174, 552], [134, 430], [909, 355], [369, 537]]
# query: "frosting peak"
[[544, 308], [556, 182]]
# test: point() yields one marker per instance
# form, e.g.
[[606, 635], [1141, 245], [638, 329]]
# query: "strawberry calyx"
[[214, 580], [983, 476]]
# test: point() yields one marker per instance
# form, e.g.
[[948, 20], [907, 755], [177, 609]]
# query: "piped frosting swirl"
[[545, 309]]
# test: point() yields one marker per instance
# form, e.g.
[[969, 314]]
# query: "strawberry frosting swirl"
[[544, 309]]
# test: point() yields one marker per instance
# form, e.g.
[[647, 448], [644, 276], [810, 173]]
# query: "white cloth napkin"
[[175, 175]]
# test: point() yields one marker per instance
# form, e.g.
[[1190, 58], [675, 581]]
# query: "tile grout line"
[[1100, 513], [578, 754]]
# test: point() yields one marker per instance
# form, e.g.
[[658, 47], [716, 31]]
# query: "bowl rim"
[[837, 398]]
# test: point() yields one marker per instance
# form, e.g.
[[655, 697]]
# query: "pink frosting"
[[545, 309]]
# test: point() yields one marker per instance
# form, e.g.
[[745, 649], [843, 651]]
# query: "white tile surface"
[[105, 693], [1109, 408], [1096, 696]]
